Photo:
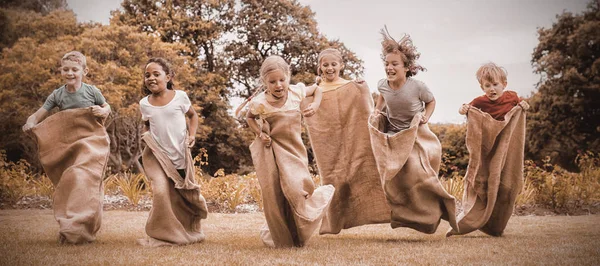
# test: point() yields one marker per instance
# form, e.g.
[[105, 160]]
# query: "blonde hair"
[[75, 56], [491, 72], [270, 64], [273, 63], [329, 51], [404, 48]]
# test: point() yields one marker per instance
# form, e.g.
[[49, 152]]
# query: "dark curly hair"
[[166, 66], [404, 48]]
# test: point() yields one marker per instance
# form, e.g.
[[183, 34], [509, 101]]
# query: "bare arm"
[[429, 107], [379, 105], [251, 120], [35, 118], [192, 124], [312, 107]]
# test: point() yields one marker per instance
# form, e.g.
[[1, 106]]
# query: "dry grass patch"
[[29, 237]]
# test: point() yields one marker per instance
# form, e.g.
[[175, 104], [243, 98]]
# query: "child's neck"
[[398, 83], [161, 98], [74, 88], [160, 94], [276, 101]]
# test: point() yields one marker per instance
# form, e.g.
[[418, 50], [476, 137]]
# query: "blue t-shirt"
[[86, 96]]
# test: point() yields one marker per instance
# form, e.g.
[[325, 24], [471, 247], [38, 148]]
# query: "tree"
[[565, 115], [38, 6], [20, 23], [281, 27]]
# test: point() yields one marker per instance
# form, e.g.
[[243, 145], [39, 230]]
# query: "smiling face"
[[155, 78], [394, 67], [493, 89], [277, 83], [330, 67], [72, 73]]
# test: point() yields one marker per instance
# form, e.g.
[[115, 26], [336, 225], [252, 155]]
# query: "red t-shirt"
[[498, 108]]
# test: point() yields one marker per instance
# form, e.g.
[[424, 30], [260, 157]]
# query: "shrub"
[[14, 179], [133, 186]]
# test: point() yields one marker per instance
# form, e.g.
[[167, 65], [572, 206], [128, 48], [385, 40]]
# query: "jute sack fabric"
[[177, 205], [494, 177], [408, 163], [339, 136], [293, 207], [73, 149]]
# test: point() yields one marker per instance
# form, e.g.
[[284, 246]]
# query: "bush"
[[14, 179], [561, 190]]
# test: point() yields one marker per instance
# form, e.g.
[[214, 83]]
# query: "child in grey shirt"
[[403, 96]]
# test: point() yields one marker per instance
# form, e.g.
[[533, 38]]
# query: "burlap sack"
[[494, 177], [177, 205], [339, 137], [73, 148], [408, 163], [293, 207]]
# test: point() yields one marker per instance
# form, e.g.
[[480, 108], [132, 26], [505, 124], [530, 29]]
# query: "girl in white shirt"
[[177, 204], [165, 110]]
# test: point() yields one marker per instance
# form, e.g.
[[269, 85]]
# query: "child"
[[74, 148], [177, 205], [74, 94], [495, 140], [403, 96], [339, 137], [407, 153], [293, 207], [497, 102]]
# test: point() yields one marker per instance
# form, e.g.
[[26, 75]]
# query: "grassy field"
[[30, 237]]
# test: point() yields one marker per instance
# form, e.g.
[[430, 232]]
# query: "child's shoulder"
[[416, 82], [381, 83], [144, 101], [90, 87], [298, 86]]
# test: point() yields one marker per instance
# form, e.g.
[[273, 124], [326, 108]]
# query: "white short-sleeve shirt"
[[259, 106], [168, 125]]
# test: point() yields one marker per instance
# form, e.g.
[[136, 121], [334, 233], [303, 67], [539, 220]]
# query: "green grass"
[[30, 237]]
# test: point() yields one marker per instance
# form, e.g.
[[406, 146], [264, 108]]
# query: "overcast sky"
[[454, 38]]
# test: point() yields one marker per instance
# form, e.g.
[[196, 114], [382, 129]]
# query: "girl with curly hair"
[[401, 95]]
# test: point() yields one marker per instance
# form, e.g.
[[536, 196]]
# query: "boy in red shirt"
[[497, 102]]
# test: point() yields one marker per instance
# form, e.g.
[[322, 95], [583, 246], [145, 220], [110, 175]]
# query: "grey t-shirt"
[[85, 96], [403, 104]]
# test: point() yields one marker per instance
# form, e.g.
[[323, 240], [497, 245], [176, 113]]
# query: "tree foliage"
[[284, 28], [565, 115]]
